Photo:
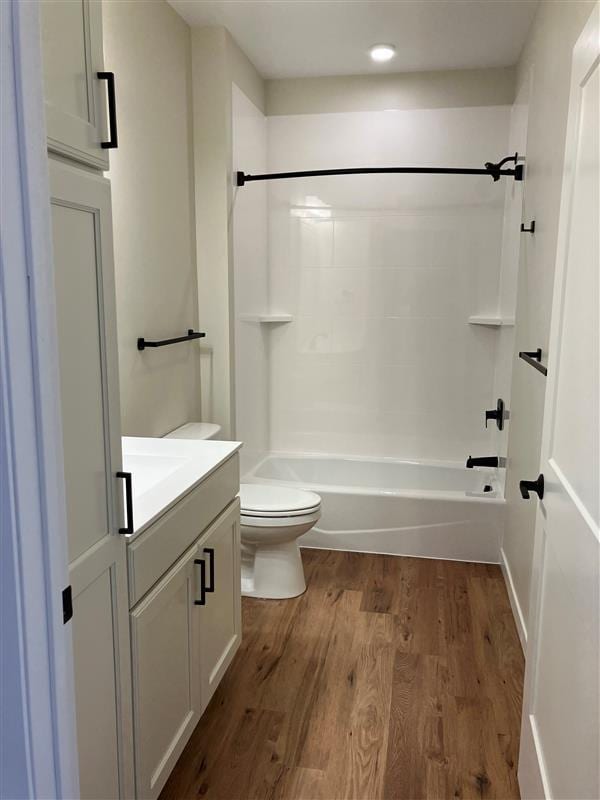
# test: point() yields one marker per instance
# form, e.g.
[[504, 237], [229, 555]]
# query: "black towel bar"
[[142, 343], [534, 358]]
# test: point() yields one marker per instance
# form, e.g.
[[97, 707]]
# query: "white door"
[[167, 686], [86, 328], [560, 743], [76, 98], [219, 619]]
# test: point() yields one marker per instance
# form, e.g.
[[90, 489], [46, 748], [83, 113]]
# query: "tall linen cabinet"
[[81, 128]]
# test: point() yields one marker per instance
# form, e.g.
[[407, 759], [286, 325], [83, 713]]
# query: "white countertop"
[[163, 470]]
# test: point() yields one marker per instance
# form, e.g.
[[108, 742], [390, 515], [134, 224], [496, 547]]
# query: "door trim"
[[34, 515]]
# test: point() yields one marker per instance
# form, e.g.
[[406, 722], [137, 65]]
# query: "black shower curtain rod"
[[495, 171]]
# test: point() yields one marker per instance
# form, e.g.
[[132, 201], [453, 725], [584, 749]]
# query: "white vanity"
[[183, 562]]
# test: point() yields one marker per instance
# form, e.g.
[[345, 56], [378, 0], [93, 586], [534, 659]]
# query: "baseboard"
[[533, 779], [514, 601]]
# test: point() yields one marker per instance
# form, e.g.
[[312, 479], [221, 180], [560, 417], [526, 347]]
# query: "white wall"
[[547, 57], [381, 274], [249, 140], [148, 47], [217, 63], [458, 88]]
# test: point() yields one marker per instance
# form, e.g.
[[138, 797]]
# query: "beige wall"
[[217, 63], [546, 61], [447, 89], [148, 47]]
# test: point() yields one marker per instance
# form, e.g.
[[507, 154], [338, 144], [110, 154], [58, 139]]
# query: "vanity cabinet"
[[220, 617], [184, 634], [76, 98]]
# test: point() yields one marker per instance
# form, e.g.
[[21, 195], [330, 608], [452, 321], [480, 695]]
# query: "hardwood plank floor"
[[393, 678]]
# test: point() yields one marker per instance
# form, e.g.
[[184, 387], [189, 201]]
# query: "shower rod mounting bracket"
[[495, 171]]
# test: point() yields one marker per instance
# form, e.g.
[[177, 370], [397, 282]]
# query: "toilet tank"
[[195, 430]]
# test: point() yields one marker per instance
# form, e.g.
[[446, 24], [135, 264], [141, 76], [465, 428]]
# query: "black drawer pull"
[[201, 563], [113, 142], [532, 486], [530, 229], [210, 551], [128, 501]]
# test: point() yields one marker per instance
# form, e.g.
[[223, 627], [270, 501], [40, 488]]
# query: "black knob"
[[532, 486], [496, 414]]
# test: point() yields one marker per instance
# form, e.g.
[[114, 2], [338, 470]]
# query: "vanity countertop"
[[164, 470]]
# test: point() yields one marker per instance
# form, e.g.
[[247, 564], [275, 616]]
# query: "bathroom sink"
[[149, 470], [163, 470]]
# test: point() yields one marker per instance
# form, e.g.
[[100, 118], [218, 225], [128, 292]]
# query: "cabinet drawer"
[[156, 549]]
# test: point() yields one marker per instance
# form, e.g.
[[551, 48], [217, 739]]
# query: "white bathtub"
[[410, 508]]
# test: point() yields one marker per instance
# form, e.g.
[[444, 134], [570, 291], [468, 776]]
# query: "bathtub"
[[409, 508]]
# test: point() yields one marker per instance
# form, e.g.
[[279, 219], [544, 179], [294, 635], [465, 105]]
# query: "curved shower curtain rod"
[[495, 171]]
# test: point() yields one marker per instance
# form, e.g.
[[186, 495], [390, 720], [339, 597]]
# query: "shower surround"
[[381, 274], [373, 362]]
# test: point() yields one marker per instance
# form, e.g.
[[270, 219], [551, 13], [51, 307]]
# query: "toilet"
[[273, 517], [272, 520]]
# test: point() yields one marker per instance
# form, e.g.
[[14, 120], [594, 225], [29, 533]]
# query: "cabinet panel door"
[[167, 681], [219, 620], [86, 329], [75, 97], [102, 677]]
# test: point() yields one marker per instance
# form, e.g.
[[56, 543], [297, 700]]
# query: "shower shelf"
[[267, 318], [492, 321]]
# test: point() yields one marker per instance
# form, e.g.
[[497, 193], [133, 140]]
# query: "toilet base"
[[272, 572]]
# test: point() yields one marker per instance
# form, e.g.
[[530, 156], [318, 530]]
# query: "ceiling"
[[300, 38]]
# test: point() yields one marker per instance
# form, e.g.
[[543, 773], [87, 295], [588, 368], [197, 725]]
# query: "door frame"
[[533, 775], [40, 755]]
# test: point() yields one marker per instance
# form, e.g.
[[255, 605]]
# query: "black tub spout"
[[483, 461]]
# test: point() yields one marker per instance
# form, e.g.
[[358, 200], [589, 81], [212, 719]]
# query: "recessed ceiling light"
[[382, 52]]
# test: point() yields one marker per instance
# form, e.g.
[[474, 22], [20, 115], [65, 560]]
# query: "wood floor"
[[389, 678]]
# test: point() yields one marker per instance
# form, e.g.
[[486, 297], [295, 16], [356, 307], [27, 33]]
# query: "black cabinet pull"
[[201, 563], [113, 142], [532, 486], [128, 501], [210, 551], [530, 229]]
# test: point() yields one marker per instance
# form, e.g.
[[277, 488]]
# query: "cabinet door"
[[219, 620], [86, 329], [167, 680], [75, 96]]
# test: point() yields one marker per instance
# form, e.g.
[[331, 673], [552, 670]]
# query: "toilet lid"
[[258, 499]]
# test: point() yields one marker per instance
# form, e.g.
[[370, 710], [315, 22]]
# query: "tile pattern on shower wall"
[[379, 359]]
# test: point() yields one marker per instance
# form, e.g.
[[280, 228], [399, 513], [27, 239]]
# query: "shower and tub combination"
[[398, 507], [373, 314]]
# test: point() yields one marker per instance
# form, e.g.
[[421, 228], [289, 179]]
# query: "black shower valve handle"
[[498, 414]]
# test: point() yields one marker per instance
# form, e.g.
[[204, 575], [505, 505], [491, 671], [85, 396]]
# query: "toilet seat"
[[259, 501]]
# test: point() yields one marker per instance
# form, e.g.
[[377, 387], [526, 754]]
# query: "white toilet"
[[272, 519]]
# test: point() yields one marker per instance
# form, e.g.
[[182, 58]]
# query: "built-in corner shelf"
[[275, 318], [267, 318], [492, 321]]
